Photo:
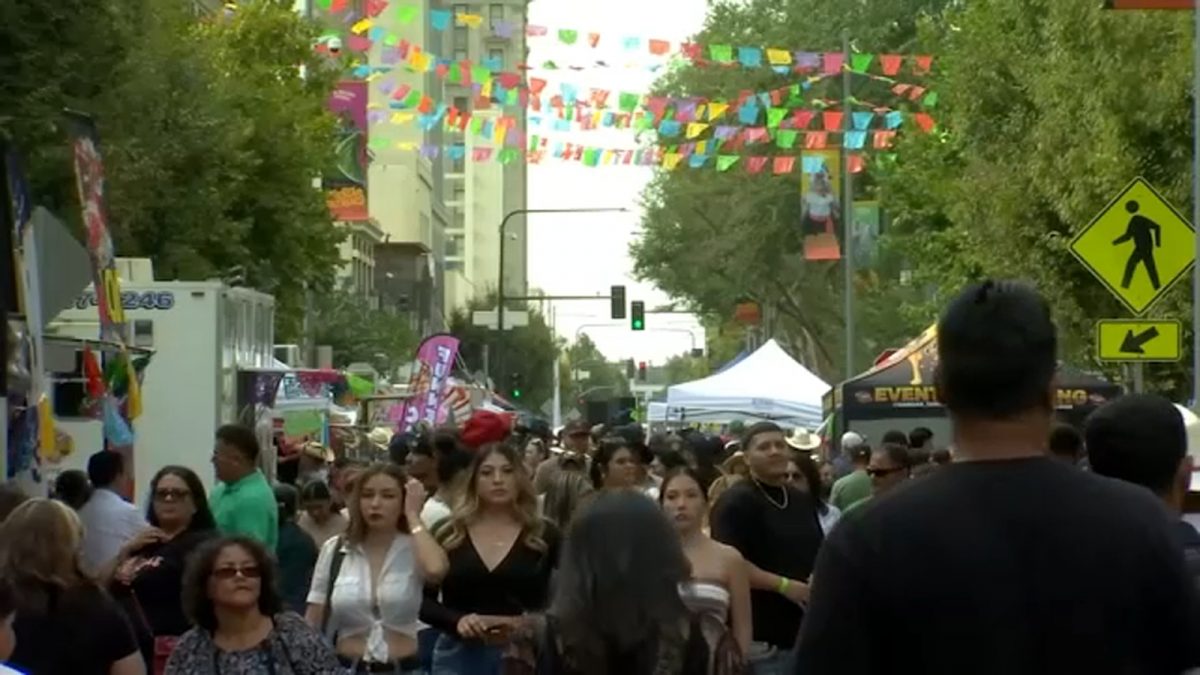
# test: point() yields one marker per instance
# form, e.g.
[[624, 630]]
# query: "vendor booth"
[[899, 393], [765, 385]]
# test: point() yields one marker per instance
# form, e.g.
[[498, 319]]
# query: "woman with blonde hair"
[[57, 603], [733, 469], [367, 585], [501, 556]]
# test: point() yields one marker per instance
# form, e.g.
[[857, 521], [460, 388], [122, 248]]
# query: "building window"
[[460, 194], [461, 37], [461, 54], [456, 245], [462, 103], [454, 265], [495, 14], [496, 58]]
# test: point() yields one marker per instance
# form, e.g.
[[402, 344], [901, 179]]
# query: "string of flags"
[[669, 158], [370, 28]]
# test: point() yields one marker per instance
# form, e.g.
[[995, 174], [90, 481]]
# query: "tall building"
[[480, 193]]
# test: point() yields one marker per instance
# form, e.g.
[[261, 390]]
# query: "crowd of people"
[[1021, 546]]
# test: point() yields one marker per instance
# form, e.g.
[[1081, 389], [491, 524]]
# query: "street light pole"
[[500, 273]]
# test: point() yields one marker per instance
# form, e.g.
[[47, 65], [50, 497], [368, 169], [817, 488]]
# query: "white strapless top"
[[706, 598]]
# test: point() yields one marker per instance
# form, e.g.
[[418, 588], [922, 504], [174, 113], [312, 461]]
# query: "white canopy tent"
[[766, 385]]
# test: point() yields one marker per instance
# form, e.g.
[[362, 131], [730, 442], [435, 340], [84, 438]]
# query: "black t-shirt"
[[782, 541], [81, 631], [519, 584], [1024, 566], [158, 583]]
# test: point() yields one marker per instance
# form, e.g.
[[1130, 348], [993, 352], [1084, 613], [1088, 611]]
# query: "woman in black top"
[[148, 580], [501, 557], [66, 624]]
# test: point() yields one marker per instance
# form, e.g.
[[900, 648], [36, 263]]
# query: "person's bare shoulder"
[[727, 554]]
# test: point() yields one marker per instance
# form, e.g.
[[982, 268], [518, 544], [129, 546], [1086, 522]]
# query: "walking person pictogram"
[[1146, 236]]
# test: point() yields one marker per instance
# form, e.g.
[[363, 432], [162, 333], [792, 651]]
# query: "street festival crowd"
[[1018, 545]]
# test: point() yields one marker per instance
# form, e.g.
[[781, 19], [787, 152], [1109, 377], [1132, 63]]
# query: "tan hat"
[[380, 437], [803, 439], [317, 451]]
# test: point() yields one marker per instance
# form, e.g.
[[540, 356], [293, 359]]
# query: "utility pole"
[[847, 207]]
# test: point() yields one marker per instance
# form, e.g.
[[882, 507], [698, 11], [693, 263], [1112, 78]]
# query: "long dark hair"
[[202, 519], [812, 475], [199, 607], [618, 586]]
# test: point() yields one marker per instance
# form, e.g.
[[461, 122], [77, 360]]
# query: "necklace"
[[763, 490]]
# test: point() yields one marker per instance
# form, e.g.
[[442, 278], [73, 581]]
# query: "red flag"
[[832, 120], [784, 164], [93, 376], [816, 140], [922, 63], [801, 118], [659, 47], [756, 164], [890, 63], [924, 121]]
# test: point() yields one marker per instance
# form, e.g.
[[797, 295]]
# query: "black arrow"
[[1132, 344]]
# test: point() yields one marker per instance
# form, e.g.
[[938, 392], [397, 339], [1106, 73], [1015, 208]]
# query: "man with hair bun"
[[1039, 567]]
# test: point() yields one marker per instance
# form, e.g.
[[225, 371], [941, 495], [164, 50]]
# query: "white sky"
[[584, 254]]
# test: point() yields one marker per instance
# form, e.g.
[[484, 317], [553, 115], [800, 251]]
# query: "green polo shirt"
[[247, 507], [850, 489]]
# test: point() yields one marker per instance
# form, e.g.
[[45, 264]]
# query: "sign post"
[[1138, 246]]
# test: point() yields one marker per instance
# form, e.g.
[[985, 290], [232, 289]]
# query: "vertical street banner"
[[820, 202], [428, 384], [89, 179], [346, 181]]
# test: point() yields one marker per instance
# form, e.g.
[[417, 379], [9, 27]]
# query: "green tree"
[[359, 334], [211, 137], [685, 368], [749, 223], [604, 379], [529, 351], [1050, 107]]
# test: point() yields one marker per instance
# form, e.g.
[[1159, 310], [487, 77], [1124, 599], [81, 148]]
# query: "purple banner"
[[427, 386]]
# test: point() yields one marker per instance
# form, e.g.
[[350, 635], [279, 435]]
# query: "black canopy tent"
[[902, 387]]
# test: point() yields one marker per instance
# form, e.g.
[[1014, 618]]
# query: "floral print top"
[[292, 648]]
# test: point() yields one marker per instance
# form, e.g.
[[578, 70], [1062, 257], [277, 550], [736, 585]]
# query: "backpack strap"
[[335, 566]]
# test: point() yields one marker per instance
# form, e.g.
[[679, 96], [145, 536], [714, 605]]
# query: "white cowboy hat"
[[803, 439]]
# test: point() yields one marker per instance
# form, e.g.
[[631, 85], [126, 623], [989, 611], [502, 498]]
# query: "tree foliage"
[[1047, 108], [359, 334], [527, 350], [604, 379], [1050, 108], [714, 239], [211, 137]]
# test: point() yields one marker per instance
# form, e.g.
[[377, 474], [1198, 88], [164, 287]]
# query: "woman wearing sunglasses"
[[229, 593], [148, 577]]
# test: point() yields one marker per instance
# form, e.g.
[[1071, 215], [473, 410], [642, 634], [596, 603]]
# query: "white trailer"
[[202, 333]]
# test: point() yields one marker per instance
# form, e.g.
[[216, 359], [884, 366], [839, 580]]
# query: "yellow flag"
[[402, 117], [133, 399], [779, 57], [470, 20], [694, 129], [715, 109], [485, 89], [702, 148], [671, 160], [361, 27]]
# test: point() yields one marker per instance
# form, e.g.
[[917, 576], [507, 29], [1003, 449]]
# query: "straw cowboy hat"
[[803, 439], [317, 451]]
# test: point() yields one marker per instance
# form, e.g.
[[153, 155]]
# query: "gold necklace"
[[781, 507]]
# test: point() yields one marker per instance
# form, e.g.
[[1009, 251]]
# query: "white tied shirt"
[[108, 522], [352, 608]]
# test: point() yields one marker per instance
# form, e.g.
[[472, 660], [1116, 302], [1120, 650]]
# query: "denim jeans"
[[766, 659], [426, 641], [452, 656]]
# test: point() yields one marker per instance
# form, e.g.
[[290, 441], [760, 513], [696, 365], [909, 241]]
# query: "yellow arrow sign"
[[1138, 246], [1138, 340]]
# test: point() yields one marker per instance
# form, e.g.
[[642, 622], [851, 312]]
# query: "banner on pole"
[[428, 384]]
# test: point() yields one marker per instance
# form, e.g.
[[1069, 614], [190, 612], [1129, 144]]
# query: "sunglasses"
[[171, 494], [880, 473], [247, 572]]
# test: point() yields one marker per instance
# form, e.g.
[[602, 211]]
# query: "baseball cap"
[[852, 439]]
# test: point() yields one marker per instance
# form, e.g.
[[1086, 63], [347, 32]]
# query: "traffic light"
[[515, 382], [629, 369], [637, 315], [618, 302], [641, 371]]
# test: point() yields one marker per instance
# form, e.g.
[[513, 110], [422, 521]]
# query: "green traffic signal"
[[638, 325], [516, 393], [637, 315]]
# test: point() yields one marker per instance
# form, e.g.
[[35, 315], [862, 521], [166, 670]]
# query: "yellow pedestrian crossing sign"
[[1139, 340], [1138, 246]]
